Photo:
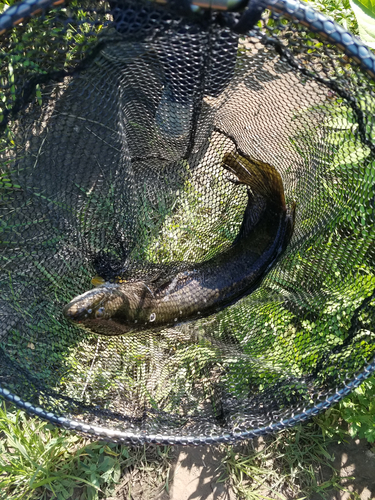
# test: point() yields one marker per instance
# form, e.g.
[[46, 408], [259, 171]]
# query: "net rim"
[[326, 27], [294, 10], [353, 47], [113, 435]]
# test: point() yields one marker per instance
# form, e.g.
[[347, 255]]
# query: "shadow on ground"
[[194, 475], [356, 464], [196, 471]]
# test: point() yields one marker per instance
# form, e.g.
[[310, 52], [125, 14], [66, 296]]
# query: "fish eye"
[[100, 312]]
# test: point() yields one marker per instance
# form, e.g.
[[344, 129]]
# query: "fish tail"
[[262, 178]]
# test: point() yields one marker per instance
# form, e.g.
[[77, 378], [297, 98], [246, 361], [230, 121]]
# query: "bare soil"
[[356, 464], [196, 475]]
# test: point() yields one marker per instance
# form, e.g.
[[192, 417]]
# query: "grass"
[[289, 464], [339, 10], [201, 223], [40, 461], [147, 372]]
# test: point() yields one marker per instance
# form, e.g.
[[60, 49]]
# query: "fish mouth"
[[89, 305], [108, 328]]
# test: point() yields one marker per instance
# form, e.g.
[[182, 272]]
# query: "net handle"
[[22, 11]]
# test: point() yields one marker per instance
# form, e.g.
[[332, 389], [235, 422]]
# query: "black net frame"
[[221, 408]]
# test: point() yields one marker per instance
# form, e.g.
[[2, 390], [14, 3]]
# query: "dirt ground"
[[356, 463], [196, 475]]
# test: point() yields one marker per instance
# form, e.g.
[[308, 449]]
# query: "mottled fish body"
[[205, 288]]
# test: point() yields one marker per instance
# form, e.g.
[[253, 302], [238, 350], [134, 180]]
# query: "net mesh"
[[115, 120]]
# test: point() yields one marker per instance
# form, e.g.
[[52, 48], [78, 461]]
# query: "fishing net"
[[115, 120]]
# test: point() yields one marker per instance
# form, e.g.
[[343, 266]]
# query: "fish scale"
[[208, 287]]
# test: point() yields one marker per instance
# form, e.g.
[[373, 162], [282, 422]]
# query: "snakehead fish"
[[205, 288]]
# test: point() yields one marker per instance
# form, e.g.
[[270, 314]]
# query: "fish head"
[[101, 303]]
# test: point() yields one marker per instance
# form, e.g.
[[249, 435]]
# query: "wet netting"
[[186, 216]]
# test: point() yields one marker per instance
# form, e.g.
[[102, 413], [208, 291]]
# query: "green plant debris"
[[286, 465], [38, 461]]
